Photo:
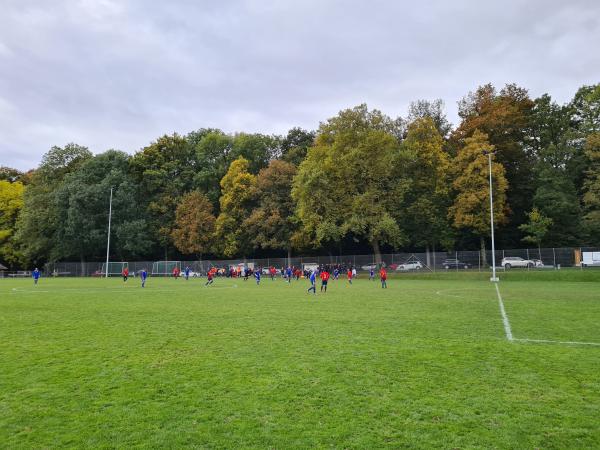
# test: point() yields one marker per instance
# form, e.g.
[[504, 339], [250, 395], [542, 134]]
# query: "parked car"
[[368, 267], [410, 265], [515, 261], [453, 263], [538, 263]]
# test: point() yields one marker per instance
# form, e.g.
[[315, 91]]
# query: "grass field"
[[424, 364]]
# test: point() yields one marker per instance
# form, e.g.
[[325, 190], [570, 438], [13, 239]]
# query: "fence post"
[[456, 256], [527, 259], [479, 261], [554, 257]]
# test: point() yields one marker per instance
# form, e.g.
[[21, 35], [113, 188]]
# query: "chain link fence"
[[528, 259]]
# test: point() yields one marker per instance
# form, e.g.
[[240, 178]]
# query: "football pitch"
[[426, 363]]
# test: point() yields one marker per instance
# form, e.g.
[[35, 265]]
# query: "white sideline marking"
[[507, 330], [547, 341], [510, 337]]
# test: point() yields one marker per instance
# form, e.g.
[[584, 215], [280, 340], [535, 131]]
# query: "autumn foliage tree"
[[348, 184], [427, 199], [194, 224], [238, 198], [11, 202], [471, 207], [273, 223], [505, 117]]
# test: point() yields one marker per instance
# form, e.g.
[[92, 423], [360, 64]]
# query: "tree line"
[[361, 182]]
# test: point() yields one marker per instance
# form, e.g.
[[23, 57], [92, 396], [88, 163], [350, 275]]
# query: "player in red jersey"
[[349, 276], [324, 279], [125, 273], [210, 275], [383, 276]]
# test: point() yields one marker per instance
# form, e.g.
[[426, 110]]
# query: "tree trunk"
[[483, 254], [289, 256], [376, 251], [83, 266], [428, 255]]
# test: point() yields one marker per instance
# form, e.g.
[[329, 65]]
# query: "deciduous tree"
[[194, 224], [471, 208], [536, 228], [427, 199], [238, 198], [347, 185], [591, 196], [273, 223], [11, 203]]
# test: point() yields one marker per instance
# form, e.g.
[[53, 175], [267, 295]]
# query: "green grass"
[[424, 364]]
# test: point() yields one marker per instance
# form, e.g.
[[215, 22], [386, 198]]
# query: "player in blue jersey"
[[257, 276], [313, 282], [372, 274], [336, 273], [288, 274], [187, 272], [36, 275], [143, 276]]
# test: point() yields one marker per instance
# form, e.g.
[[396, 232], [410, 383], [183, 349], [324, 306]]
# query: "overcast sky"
[[118, 74]]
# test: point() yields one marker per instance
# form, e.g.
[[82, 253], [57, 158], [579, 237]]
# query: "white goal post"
[[165, 268], [114, 268]]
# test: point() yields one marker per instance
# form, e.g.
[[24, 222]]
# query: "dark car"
[[455, 264]]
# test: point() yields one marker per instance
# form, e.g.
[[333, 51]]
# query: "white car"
[[515, 261], [368, 267], [411, 265]]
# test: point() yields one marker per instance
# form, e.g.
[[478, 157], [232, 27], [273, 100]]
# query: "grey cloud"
[[117, 74]]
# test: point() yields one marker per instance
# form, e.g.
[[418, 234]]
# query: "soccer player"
[[336, 273], [257, 276], [144, 275], [383, 276], [288, 274], [350, 276], [36, 275], [187, 273], [175, 272], [210, 276], [313, 282], [354, 272], [324, 280], [125, 273], [372, 274]]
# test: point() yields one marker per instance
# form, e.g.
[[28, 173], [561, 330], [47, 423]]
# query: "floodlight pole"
[[108, 240], [494, 278]]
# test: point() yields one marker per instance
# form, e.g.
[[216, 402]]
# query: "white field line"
[[507, 329], [547, 341], [510, 337]]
